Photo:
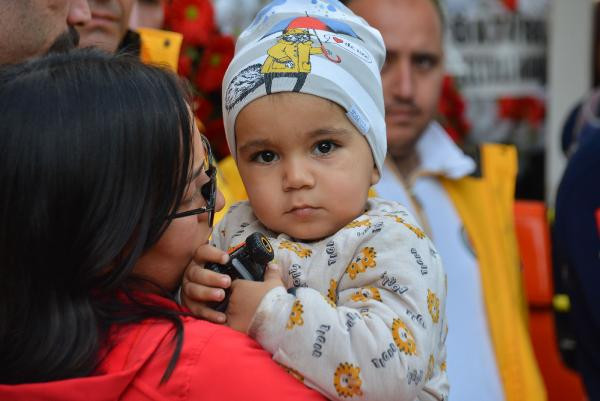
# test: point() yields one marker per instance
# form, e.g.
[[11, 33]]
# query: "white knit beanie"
[[317, 47]]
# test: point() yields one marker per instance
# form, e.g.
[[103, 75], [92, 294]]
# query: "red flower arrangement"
[[452, 111], [203, 60], [526, 108]]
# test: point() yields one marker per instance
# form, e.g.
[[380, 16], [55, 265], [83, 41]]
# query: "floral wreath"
[[204, 57]]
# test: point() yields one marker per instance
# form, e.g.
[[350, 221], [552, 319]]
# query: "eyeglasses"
[[207, 190]]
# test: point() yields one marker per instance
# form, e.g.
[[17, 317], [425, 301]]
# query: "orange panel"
[[562, 384], [534, 246], [533, 236]]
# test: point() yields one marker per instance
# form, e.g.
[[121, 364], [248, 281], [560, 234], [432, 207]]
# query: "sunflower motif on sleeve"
[[298, 249], [404, 339], [364, 294], [359, 223], [429, 374], [366, 259], [346, 380], [416, 230], [433, 304], [332, 292], [295, 318]]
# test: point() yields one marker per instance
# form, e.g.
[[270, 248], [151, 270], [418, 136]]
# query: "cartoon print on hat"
[[316, 47], [289, 57]]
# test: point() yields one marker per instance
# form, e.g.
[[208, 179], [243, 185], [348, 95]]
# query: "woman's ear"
[[375, 176]]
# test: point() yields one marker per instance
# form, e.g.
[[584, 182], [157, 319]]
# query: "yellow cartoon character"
[[403, 338], [418, 232], [295, 316], [433, 304], [364, 294], [360, 264], [332, 292], [290, 57], [359, 223], [296, 248], [346, 380]]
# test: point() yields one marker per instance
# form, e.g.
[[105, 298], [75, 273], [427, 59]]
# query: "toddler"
[[363, 317]]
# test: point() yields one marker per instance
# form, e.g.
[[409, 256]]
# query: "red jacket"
[[216, 363]]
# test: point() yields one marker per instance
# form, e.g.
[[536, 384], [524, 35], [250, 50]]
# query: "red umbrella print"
[[315, 23]]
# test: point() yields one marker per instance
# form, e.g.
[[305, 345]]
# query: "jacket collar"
[[439, 155]]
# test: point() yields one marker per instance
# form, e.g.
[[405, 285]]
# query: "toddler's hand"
[[246, 296], [200, 286]]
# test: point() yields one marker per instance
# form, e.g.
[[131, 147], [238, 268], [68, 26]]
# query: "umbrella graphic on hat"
[[315, 23]]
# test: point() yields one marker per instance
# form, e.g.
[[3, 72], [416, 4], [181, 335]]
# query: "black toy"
[[246, 261]]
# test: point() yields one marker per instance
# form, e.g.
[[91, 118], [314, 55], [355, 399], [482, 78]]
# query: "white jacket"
[[367, 319]]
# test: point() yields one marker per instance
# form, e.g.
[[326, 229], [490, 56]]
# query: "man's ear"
[[375, 176]]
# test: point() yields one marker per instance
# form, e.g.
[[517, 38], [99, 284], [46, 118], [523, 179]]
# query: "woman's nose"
[[220, 201]]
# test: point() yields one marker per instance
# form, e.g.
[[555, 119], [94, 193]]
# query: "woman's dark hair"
[[95, 155]]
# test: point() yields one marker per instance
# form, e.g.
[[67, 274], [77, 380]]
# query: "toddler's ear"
[[375, 176]]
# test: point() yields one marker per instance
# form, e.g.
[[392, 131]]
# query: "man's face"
[[413, 70], [109, 23], [31, 28]]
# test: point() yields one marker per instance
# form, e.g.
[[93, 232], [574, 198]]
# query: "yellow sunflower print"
[[418, 232], [359, 223], [332, 291], [295, 318], [364, 294], [404, 339], [433, 304], [429, 374], [296, 248], [360, 264], [346, 380]]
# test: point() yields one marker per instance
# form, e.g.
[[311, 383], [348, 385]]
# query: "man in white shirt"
[[425, 171]]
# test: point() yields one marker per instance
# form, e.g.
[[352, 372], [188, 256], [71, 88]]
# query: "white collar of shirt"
[[439, 155]]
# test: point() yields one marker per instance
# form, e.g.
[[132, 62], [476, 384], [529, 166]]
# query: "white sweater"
[[367, 320]]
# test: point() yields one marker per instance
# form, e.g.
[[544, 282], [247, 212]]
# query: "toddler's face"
[[306, 168]]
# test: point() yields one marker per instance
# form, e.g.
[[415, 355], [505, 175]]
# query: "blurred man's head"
[[147, 14], [412, 75], [31, 28], [108, 26]]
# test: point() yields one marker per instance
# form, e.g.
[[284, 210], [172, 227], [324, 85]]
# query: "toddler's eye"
[[324, 147], [265, 156]]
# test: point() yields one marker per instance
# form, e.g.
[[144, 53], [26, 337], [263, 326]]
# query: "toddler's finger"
[[273, 274]]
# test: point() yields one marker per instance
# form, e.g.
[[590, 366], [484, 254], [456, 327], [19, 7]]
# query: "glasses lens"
[[209, 190]]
